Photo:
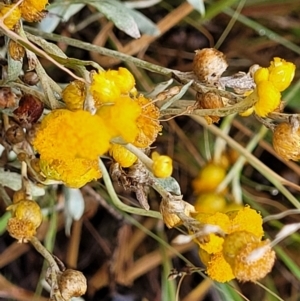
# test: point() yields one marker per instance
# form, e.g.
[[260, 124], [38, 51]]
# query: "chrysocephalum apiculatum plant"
[[101, 114]]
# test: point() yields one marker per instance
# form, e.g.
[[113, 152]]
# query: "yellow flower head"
[[162, 165], [217, 268], [74, 95], [107, 86], [215, 243], [66, 134], [14, 15], [148, 123], [281, 73], [122, 78], [73, 173], [249, 257], [26, 218], [268, 98], [121, 117], [246, 219], [210, 176], [121, 155], [269, 83], [33, 10]]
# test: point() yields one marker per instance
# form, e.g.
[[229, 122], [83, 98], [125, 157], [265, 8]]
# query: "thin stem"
[[45, 253], [24, 42], [101, 50]]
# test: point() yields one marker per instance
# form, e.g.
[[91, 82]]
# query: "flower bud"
[[121, 155], [209, 64], [162, 165]]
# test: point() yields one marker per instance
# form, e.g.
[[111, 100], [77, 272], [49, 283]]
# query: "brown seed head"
[[29, 111], [71, 284], [15, 134], [7, 98], [30, 78], [209, 100], [286, 141], [209, 64], [16, 51]]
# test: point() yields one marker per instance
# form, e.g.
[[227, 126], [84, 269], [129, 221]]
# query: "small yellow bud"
[[210, 176], [210, 202], [162, 165], [121, 155]]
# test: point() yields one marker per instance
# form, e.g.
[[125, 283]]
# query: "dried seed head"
[[30, 78], [71, 284], [209, 64], [15, 134], [249, 257], [29, 111], [16, 51], [26, 218], [170, 209], [74, 95], [209, 100], [7, 98], [286, 141]]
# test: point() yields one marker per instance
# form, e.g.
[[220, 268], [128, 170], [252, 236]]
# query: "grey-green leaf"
[[159, 88], [144, 24], [120, 15], [170, 184]]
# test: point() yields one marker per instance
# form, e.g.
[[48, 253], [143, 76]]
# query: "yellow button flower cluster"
[[234, 255], [269, 83], [29, 10], [71, 140]]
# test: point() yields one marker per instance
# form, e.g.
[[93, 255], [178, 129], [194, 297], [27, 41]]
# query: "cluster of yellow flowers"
[[29, 10], [241, 253], [71, 140], [269, 83]]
